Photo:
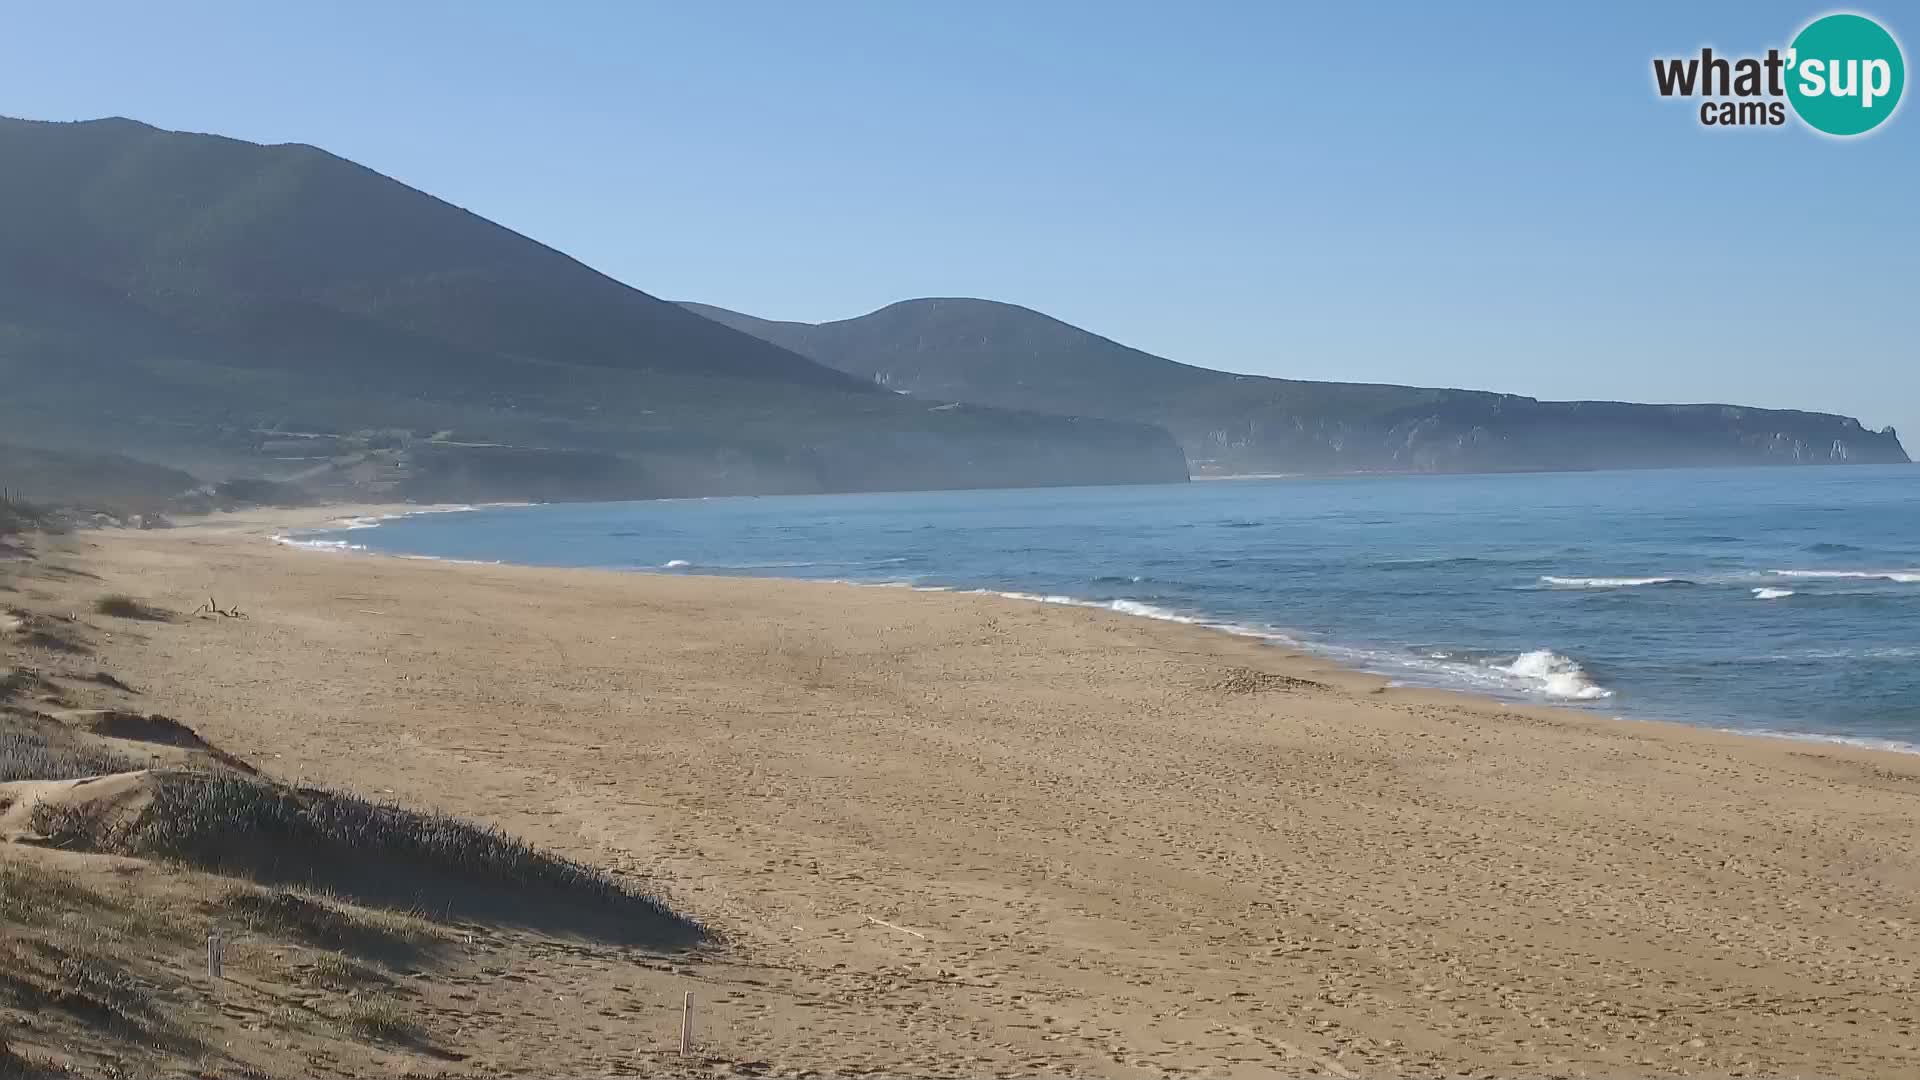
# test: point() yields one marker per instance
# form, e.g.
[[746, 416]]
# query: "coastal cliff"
[[1004, 355]]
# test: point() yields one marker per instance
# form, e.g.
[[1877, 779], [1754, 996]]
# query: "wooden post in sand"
[[216, 954], [686, 1025]]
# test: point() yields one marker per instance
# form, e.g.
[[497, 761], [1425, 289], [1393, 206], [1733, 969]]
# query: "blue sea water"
[[1779, 600]]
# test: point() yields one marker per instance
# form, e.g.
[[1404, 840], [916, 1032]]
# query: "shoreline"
[[374, 515], [949, 834]]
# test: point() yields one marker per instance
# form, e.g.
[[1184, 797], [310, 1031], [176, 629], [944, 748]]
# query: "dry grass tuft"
[[336, 972], [106, 679], [122, 606], [288, 1017], [383, 1018]]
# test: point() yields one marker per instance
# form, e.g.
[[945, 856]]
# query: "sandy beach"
[[962, 835]]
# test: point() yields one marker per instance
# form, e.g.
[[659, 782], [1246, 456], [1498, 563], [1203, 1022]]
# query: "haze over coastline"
[[1181, 192], [291, 321]]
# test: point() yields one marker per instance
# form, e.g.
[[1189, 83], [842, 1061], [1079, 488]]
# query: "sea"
[[1782, 601]]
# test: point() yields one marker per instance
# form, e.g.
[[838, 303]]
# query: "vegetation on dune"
[[119, 961], [70, 952], [105, 964], [382, 1018], [32, 895], [225, 822], [18, 516], [122, 606], [55, 635], [17, 682], [324, 922], [30, 756]]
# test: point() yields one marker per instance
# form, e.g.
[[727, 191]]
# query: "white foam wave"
[[318, 545], [444, 559], [1772, 594], [1038, 598], [1608, 582], [1143, 610], [373, 521], [1860, 742], [1881, 652], [1555, 676], [675, 564], [1538, 672], [1149, 611], [1904, 577]]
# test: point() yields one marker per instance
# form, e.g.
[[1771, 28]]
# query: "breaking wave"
[[1481, 601], [318, 545], [1904, 577], [374, 521], [1539, 672], [1555, 676], [1608, 582], [312, 539], [1144, 610]]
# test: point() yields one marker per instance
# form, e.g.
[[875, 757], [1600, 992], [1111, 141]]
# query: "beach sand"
[[964, 835]]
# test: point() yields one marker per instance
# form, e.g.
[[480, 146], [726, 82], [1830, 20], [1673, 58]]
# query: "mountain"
[[229, 306], [999, 354]]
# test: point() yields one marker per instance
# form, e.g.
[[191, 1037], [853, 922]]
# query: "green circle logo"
[[1845, 74]]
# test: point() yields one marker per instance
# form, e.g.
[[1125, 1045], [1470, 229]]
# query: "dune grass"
[[28, 756], [324, 922], [17, 682], [335, 971], [18, 516], [382, 1018], [70, 949], [31, 896], [110, 958], [237, 824]]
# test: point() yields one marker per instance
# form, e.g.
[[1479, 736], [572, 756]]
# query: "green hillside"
[[188, 297]]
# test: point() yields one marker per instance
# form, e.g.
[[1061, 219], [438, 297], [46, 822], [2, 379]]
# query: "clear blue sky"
[[1468, 195]]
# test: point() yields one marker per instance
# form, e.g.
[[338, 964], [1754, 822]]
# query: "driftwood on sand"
[[212, 608]]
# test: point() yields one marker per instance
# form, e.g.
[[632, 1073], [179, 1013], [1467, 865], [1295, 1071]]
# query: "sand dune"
[[962, 835]]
